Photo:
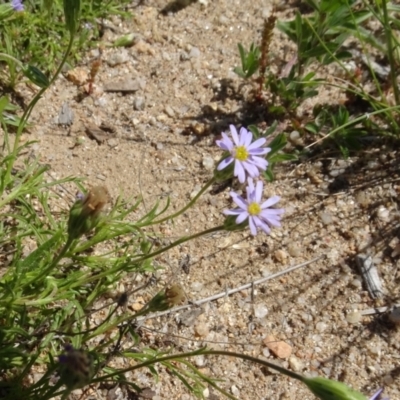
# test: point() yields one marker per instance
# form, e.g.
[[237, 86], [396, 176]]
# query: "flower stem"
[[29, 109], [389, 44], [190, 204], [142, 258], [205, 352], [181, 240]]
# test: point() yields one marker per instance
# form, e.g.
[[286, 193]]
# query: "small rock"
[[326, 218], [117, 58], [260, 311], [125, 85], [294, 250], [281, 256], [321, 326], [208, 162], [201, 329], [144, 48], [66, 115], [353, 317], [199, 361], [138, 103], [295, 137], [112, 143], [296, 364], [383, 214], [194, 52], [197, 286], [279, 348], [235, 391], [184, 56], [169, 111]]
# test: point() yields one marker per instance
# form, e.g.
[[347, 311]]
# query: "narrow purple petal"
[[270, 220], [259, 191], [270, 202], [245, 137], [234, 134], [251, 169], [17, 5], [273, 211], [260, 163], [239, 171], [257, 143], [237, 211], [224, 163], [242, 217], [252, 225], [226, 142], [239, 200], [257, 152], [261, 224]]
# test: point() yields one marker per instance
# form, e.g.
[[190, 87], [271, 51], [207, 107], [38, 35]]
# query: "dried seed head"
[[95, 201], [85, 213]]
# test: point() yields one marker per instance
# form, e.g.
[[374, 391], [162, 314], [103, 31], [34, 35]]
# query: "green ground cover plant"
[[331, 33], [49, 294]]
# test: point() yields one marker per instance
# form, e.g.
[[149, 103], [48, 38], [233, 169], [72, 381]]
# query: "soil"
[[178, 93]]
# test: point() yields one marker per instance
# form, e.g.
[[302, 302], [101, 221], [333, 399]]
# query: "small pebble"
[[197, 286], [279, 348], [138, 103], [169, 111], [208, 162], [235, 391], [354, 317], [201, 329], [112, 143], [260, 311], [326, 218], [281, 256], [194, 52], [296, 364], [321, 326], [294, 250], [117, 58]]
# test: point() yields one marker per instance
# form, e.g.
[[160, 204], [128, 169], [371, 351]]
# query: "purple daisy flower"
[[245, 154], [259, 214], [17, 5]]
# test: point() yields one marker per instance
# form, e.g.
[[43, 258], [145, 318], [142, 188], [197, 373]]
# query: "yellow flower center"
[[241, 153], [254, 209]]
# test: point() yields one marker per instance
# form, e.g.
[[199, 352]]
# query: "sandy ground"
[[183, 95]]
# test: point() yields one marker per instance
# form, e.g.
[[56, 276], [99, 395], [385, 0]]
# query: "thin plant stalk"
[[390, 55]]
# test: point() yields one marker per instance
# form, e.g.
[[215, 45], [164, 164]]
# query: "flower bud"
[[226, 173], [71, 13], [231, 225], [166, 299], [85, 213], [327, 389], [125, 41]]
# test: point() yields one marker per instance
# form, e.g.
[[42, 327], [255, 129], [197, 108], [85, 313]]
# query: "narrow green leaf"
[[34, 259], [36, 76], [71, 12]]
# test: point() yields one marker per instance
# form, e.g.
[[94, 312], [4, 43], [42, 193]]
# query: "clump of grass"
[[322, 38]]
